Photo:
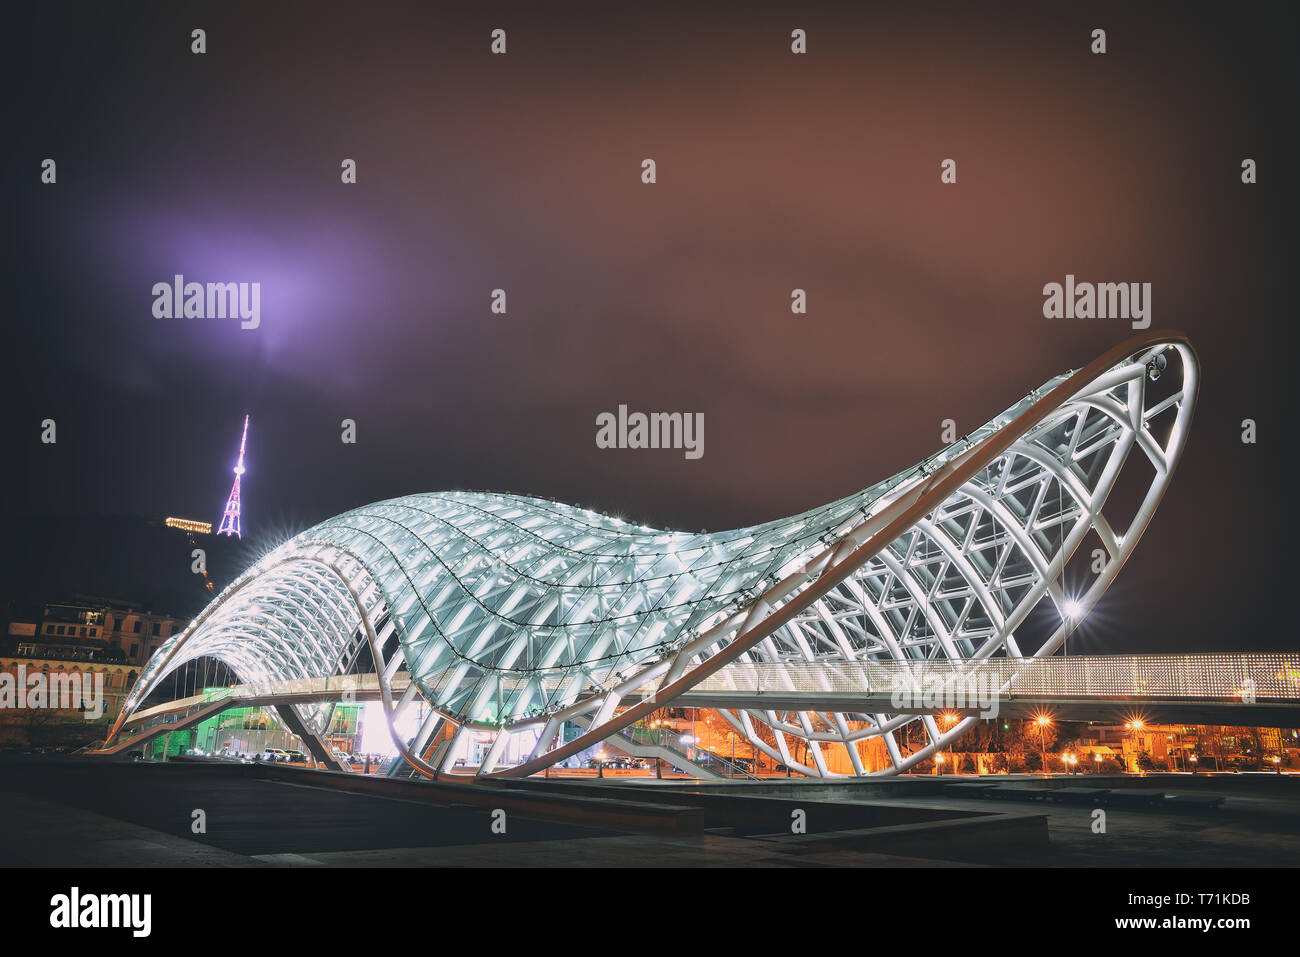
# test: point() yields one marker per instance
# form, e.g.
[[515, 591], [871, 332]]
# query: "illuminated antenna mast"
[[230, 518]]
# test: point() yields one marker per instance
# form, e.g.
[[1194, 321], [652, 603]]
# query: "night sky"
[[522, 172]]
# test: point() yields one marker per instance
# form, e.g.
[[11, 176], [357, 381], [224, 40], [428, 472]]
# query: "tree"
[[1256, 746]]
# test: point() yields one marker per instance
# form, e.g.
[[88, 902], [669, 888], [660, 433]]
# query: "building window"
[[135, 650], [135, 627], [157, 629]]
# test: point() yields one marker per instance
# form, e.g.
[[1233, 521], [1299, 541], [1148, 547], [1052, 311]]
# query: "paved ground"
[[1258, 825], [1247, 831], [99, 814], [627, 850], [38, 833], [248, 816]]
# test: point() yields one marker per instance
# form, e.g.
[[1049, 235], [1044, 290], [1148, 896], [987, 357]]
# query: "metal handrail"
[[1273, 676]]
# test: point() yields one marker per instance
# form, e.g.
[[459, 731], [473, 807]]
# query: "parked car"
[[295, 757], [273, 755]]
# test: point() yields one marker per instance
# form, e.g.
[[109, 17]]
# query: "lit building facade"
[[88, 628]]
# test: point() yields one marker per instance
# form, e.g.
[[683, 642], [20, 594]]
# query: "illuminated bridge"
[[523, 619], [1261, 690]]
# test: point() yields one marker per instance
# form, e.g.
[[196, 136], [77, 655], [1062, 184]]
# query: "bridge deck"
[[1261, 689]]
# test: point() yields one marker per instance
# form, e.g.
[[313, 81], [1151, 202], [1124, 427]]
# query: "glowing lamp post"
[[949, 719], [1042, 721], [1136, 725]]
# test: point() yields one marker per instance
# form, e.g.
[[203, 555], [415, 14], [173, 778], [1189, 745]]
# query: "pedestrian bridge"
[[1261, 690], [1241, 689], [824, 639]]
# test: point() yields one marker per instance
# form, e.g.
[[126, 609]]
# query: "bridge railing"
[[341, 685], [1241, 677], [1271, 676]]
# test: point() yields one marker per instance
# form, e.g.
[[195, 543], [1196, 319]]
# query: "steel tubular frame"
[[513, 615]]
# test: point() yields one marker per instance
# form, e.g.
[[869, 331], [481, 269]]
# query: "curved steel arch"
[[515, 614]]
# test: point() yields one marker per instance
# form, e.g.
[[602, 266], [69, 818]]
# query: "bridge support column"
[[316, 744]]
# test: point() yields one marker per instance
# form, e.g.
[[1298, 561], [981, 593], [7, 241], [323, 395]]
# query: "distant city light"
[[189, 525]]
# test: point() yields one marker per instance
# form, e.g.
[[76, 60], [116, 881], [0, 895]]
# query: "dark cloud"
[[521, 172]]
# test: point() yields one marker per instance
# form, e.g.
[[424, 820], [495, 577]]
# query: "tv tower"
[[230, 517]]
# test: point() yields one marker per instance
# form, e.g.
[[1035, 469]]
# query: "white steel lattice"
[[516, 614]]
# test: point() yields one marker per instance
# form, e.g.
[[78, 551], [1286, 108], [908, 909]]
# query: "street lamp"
[[938, 763], [1137, 724], [1042, 721]]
